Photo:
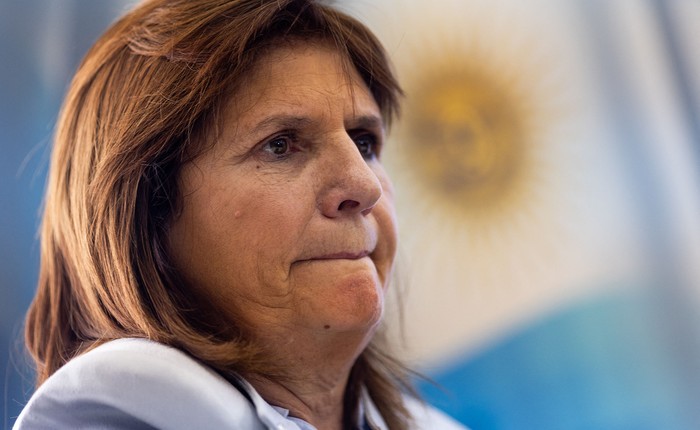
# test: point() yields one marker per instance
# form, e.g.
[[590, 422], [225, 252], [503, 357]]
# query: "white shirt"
[[140, 384]]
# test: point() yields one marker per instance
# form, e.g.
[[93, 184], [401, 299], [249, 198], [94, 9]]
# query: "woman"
[[219, 231]]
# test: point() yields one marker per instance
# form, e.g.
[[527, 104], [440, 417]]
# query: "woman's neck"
[[315, 377], [319, 403]]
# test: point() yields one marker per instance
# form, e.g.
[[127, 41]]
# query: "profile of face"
[[287, 222]]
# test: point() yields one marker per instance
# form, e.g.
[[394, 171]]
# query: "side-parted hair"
[[142, 103]]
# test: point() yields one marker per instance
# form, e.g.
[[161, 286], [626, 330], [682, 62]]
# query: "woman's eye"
[[278, 146], [367, 145]]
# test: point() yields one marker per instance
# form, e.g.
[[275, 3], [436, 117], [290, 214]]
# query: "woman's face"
[[288, 221]]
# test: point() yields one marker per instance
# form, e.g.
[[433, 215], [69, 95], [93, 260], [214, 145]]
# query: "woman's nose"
[[351, 185]]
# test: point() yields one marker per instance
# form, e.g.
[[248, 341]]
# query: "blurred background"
[[547, 170]]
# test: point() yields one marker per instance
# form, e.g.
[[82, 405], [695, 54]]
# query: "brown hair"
[[137, 109]]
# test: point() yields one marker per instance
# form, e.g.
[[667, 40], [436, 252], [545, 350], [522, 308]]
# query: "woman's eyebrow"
[[275, 122], [365, 121], [281, 122]]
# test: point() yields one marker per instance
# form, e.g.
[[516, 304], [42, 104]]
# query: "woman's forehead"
[[288, 82]]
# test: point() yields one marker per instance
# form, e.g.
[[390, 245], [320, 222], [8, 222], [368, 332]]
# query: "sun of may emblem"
[[469, 133]]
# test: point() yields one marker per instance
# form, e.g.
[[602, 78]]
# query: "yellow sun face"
[[467, 136]]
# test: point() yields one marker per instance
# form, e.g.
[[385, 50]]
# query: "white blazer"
[[140, 384]]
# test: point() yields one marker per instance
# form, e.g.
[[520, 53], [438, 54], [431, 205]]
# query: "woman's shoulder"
[[136, 383]]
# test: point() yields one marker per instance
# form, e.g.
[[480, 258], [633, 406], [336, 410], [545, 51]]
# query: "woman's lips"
[[342, 256], [351, 247]]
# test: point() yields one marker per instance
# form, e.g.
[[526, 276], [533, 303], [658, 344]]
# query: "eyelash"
[[374, 146], [288, 140], [370, 151]]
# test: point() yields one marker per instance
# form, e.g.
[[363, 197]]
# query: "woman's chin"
[[351, 301]]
